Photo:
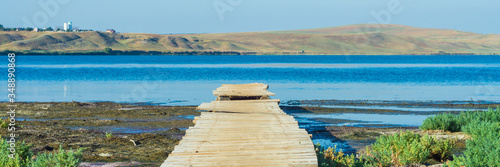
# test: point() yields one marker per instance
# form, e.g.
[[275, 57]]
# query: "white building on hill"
[[68, 26]]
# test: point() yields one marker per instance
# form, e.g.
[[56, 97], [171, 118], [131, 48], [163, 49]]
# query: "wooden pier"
[[243, 128]]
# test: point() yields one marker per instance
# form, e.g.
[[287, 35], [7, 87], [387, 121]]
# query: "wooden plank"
[[252, 85], [254, 89], [243, 93], [243, 133]]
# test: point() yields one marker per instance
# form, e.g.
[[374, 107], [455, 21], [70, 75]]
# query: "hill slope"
[[352, 39]]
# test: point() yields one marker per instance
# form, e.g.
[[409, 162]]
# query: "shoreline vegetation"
[[482, 144], [121, 134], [344, 40]]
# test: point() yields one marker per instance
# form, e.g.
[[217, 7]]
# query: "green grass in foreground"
[[484, 128], [455, 123], [24, 157], [332, 157], [399, 149], [407, 148]]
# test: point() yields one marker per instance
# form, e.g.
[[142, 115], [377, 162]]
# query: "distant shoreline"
[[161, 53], [343, 40]]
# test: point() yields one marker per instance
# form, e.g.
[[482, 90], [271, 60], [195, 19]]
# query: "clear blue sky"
[[200, 16]]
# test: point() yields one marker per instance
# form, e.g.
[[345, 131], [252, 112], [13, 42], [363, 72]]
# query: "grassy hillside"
[[352, 39]]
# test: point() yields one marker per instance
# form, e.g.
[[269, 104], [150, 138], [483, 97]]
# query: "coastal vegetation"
[[483, 149], [456, 123], [25, 157], [399, 149], [343, 40], [332, 157], [410, 148], [407, 148], [4, 123], [109, 135], [60, 158]]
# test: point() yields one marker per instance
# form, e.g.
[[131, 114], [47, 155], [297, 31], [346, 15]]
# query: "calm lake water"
[[189, 80]]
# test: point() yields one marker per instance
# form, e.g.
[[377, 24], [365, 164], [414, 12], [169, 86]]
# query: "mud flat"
[[136, 135], [402, 104]]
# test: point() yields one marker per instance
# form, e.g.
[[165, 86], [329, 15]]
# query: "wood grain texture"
[[243, 133]]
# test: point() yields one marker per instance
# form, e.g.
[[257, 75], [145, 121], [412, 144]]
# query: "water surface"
[[189, 80]]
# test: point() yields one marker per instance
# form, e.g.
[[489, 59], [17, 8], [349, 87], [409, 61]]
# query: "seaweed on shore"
[[47, 126]]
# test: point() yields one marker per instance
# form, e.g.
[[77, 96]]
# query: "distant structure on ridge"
[[68, 26]]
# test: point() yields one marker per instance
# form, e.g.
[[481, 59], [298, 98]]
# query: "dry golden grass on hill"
[[352, 39]]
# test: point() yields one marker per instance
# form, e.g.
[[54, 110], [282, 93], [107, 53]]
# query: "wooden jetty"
[[244, 128]]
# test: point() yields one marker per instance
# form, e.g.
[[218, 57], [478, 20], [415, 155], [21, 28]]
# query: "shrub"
[[332, 158], [439, 149], [60, 159], [4, 123], [490, 115], [397, 150], [478, 129], [457, 162], [484, 128], [407, 148], [22, 157], [442, 149], [108, 135], [447, 122], [484, 148], [454, 123]]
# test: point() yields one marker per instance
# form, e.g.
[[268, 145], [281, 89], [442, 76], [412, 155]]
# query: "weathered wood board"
[[243, 133], [254, 89]]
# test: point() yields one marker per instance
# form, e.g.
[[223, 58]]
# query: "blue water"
[[65, 60], [189, 80]]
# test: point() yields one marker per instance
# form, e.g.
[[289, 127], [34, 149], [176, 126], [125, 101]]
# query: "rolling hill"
[[362, 39]]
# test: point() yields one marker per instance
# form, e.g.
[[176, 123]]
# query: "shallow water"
[[367, 119], [396, 108], [313, 125], [189, 80]]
